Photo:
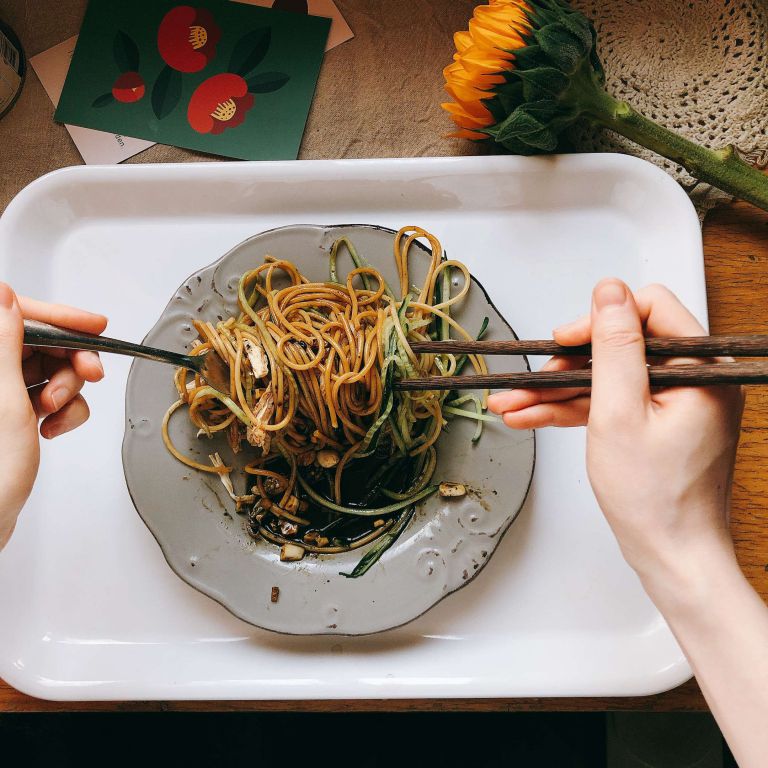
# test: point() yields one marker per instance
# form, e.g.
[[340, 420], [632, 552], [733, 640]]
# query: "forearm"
[[722, 625]]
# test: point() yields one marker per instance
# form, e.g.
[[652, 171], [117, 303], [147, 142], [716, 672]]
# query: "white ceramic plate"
[[447, 542], [89, 607]]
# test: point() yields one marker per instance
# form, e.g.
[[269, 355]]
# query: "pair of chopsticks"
[[688, 375]]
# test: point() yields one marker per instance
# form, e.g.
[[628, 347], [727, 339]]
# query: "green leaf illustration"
[[266, 82], [103, 100], [249, 51], [166, 92], [126, 53]]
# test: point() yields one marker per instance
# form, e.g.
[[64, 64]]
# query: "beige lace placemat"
[[699, 67]]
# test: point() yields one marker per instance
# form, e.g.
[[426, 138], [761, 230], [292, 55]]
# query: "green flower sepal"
[[541, 94]]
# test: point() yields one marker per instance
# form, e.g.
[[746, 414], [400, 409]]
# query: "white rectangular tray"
[[88, 607]]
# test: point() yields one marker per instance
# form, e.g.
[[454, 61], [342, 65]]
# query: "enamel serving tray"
[[90, 608]]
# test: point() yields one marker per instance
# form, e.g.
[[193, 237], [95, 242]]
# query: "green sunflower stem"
[[723, 168]]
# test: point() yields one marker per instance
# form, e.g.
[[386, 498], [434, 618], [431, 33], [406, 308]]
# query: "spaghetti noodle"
[[340, 458]]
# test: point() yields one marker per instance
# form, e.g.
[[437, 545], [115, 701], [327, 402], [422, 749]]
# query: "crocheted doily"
[[699, 67]]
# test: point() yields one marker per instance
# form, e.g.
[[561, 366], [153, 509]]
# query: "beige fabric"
[[379, 94], [698, 67]]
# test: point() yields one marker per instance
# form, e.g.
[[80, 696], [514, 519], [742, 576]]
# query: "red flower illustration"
[[187, 38], [218, 103], [128, 87]]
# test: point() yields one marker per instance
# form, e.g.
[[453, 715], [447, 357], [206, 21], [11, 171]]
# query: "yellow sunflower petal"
[[462, 92], [484, 53], [462, 41], [494, 38], [462, 115]]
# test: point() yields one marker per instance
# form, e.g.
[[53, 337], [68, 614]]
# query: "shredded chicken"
[[226, 481], [258, 357], [234, 436], [256, 434]]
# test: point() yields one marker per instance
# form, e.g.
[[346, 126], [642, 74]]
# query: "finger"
[[11, 342], [573, 413], [516, 399], [63, 315], [575, 333], [620, 386], [71, 416], [40, 366], [661, 313], [87, 365], [62, 387], [40, 395], [34, 397], [565, 363]]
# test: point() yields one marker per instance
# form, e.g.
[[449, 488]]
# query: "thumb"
[[620, 385], [11, 345]]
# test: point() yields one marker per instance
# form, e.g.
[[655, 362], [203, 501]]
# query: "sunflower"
[[527, 69], [484, 53]]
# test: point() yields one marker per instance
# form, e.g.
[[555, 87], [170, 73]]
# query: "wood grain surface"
[[353, 116]]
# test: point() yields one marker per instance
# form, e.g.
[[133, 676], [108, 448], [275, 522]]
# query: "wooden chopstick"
[[702, 375], [689, 346]]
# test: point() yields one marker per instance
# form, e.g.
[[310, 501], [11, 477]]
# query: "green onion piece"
[[445, 329], [224, 400], [423, 477], [382, 544], [462, 361], [475, 400], [470, 414], [361, 512]]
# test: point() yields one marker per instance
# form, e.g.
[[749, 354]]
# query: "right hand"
[[660, 462]]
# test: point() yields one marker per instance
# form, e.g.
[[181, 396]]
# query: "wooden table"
[[352, 117]]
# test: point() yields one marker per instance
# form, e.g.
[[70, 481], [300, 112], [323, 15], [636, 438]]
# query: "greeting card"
[[220, 77]]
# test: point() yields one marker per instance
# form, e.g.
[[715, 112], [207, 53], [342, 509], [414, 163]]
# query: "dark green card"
[[220, 77]]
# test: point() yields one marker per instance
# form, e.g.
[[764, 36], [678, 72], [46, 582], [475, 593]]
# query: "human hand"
[[660, 462], [37, 385]]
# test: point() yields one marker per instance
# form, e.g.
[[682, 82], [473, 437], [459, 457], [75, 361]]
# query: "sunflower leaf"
[[580, 27], [564, 49], [526, 128], [543, 83]]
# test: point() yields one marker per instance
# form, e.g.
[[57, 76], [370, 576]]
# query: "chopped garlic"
[[291, 552], [327, 458], [452, 490]]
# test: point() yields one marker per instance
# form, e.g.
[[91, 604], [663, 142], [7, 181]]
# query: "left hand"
[[39, 386]]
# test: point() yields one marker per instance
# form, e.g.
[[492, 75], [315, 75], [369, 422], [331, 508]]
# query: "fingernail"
[[6, 296], [610, 293], [563, 327], [58, 398], [97, 361], [49, 430]]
